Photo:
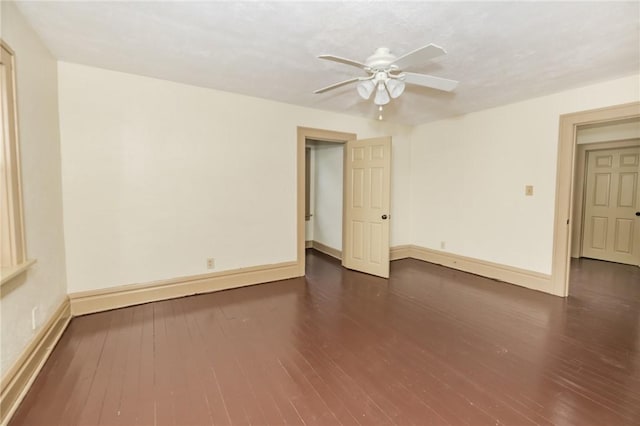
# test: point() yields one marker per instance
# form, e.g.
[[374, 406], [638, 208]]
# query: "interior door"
[[367, 199], [612, 206]]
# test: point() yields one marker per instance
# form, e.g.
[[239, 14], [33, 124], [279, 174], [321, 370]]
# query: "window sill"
[[11, 272]]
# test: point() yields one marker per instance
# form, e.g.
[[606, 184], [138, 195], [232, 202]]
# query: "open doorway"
[[324, 194], [366, 200], [309, 134], [566, 183], [606, 192]]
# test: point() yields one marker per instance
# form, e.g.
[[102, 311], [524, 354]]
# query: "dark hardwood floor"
[[429, 346]]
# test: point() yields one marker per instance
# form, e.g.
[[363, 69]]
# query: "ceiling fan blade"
[[419, 56], [343, 61], [336, 85], [429, 81]]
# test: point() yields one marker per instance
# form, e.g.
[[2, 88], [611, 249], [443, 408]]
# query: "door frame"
[[565, 184], [305, 133], [577, 229]]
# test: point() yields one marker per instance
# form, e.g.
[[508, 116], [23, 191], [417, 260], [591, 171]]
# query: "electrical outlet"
[[528, 190], [211, 263], [34, 318], [443, 245]]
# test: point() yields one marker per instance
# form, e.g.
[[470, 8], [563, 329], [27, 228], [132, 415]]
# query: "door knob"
[[637, 213], [384, 216]]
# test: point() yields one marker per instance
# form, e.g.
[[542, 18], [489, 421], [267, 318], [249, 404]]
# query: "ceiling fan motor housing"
[[381, 60]]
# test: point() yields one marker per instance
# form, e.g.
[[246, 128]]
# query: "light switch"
[[528, 190]]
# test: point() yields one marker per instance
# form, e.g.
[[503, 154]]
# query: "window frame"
[[13, 259]]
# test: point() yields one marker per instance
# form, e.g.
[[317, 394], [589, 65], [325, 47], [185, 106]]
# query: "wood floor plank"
[[111, 350], [111, 409], [130, 406], [192, 406], [222, 364], [164, 370], [206, 380], [257, 352], [81, 374], [428, 346]]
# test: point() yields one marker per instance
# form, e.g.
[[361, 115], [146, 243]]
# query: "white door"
[[612, 202], [366, 208]]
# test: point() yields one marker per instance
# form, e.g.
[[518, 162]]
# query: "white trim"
[[304, 133], [400, 252], [118, 297], [13, 247], [11, 272], [509, 274], [565, 177], [329, 251]]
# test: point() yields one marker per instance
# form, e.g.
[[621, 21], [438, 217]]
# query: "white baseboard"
[[118, 297], [400, 252], [330, 251], [522, 277], [395, 253], [24, 371], [509, 274]]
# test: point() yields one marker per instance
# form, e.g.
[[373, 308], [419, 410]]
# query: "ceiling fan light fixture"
[[382, 96], [365, 89], [386, 75], [396, 87]]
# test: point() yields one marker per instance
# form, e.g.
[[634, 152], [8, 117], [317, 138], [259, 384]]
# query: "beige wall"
[[44, 285], [469, 175], [158, 176]]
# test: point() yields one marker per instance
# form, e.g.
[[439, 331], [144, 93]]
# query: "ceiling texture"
[[501, 52]]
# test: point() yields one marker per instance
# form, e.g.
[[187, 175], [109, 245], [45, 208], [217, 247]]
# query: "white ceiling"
[[501, 52]]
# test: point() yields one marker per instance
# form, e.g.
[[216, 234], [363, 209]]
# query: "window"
[[12, 250]]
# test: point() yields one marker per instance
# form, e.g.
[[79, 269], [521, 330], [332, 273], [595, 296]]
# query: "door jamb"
[[305, 133], [565, 177]]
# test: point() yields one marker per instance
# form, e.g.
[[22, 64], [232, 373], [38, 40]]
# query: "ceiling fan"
[[387, 76]]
